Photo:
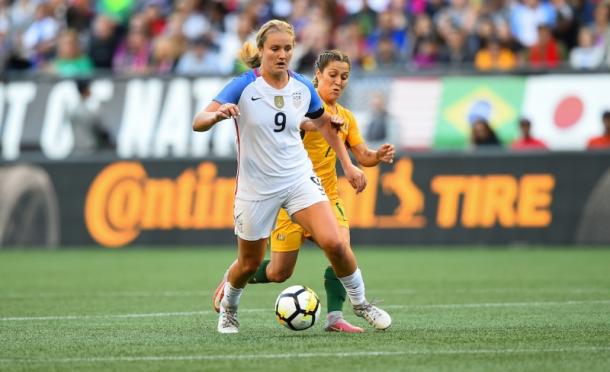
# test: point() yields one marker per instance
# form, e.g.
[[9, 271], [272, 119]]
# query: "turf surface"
[[459, 309]]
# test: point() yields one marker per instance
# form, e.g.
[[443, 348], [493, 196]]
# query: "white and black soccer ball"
[[297, 308]]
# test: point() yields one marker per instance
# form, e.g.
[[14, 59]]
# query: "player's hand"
[[385, 153], [227, 111], [336, 122], [356, 178]]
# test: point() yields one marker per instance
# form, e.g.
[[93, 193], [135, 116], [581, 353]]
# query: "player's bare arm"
[[370, 158], [355, 176], [308, 126], [212, 114]]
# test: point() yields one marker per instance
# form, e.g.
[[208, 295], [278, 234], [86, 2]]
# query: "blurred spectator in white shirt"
[[231, 41], [200, 58], [586, 55], [22, 14], [40, 38], [525, 18]]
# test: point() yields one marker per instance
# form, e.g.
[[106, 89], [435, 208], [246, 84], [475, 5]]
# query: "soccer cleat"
[[219, 292], [341, 325], [376, 317], [227, 320]]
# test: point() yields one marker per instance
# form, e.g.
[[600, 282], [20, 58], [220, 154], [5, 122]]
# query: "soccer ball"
[[297, 308]]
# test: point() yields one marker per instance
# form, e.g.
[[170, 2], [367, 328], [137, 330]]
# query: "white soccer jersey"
[[271, 156]]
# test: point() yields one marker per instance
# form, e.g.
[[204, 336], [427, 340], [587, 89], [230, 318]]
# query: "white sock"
[[354, 285], [333, 316], [231, 296]]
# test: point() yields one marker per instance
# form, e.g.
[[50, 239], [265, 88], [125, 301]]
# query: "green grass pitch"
[[453, 310]]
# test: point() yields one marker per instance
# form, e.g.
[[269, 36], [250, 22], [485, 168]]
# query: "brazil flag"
[[464, 99]]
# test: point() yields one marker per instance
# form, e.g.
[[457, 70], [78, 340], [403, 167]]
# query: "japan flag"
[[566, 110]]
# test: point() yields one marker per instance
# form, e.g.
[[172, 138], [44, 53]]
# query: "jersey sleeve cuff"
[[316, 114]]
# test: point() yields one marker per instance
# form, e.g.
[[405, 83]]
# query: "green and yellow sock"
[[260, 276], [335, 293]]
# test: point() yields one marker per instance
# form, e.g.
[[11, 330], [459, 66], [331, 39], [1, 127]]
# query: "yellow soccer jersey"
[[323, 156]]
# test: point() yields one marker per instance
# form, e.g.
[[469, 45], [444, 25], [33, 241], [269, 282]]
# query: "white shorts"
[[255, 219]]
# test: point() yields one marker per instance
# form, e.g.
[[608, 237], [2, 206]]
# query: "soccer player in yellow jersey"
[[332, 69]]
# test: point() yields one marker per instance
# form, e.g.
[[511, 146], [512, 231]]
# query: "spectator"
[[526, 141], [40, 38], [525, 18], [103, 42], [196, 24], [316, 39], [583, 11], [216, 14], [506, 39], [133, 55], [349, 40], [495, 57], [390, 26], [199, 59], [386, 57], [601, 29], [425, 56], [432, 7], [299, 18], [165, 55], [22, 14], [603, 141], [586, 55], [70, 61], [380, 126], [156, 21], [483, 136], [173, 30], [485, 30], [79, 15], [423, 29], [547, 52], [456, 53], [498, 11], [231, 41], [459, 14], [90, 134], [565, 29]]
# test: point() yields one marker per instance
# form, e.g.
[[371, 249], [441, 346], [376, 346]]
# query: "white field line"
[[491, 290], [131, 294], [162, 358], [192, 313]]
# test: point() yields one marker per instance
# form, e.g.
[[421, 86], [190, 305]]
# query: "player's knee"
[[279, 276], [250, 266], [335, 248]]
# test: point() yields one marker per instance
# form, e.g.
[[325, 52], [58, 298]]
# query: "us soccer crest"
[[279, 101], [296, 99]]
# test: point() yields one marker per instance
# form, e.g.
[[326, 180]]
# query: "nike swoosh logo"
[[255, 98]]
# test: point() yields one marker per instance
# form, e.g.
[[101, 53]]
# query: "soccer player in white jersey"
[[268, 105]]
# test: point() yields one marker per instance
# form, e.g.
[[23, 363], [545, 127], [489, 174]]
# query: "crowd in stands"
[[80, 37]]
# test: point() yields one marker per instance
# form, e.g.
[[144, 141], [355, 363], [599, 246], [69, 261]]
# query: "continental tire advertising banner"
[[557, 198]]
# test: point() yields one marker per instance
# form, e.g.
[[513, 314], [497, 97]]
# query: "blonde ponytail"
[[249, 55]]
